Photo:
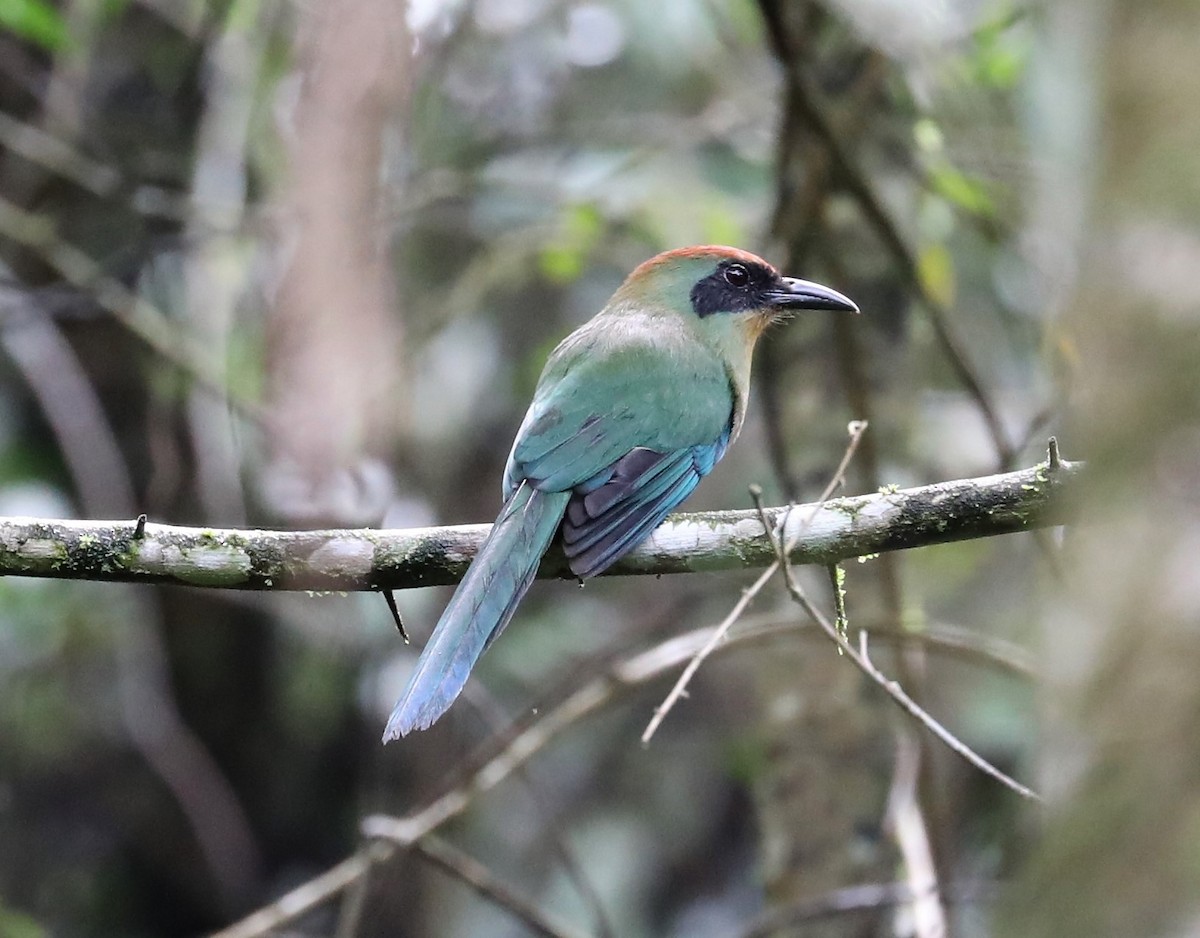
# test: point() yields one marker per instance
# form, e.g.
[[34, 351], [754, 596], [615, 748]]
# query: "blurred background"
[[299, 264]]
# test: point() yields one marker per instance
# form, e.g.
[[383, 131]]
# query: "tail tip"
[[398, 726], [404, 721]]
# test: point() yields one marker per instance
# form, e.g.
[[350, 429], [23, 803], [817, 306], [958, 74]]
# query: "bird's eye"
[[736, 275]]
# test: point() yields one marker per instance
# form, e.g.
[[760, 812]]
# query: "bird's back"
[[623, 380]]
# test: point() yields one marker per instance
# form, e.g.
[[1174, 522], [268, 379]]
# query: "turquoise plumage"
[[632, 410]]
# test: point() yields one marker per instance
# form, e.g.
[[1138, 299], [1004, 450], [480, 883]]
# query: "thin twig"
[[573, 870], [58, 156], [479, 878], [857, 429], [307, 896], [354, 902], [843, 901], [849, 899], [890, 687], [896, 692], [950, 640], [938, 637], [521, 742], [910, 831], [719, 634], [492, 714]]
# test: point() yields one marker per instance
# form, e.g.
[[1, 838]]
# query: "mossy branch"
[[365, 559]]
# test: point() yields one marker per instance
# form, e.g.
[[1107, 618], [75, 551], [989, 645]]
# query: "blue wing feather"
[[634, 527], [603, 524], [642, 473]]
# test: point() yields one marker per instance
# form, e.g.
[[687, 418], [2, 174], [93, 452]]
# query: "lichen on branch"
[[369, 559]]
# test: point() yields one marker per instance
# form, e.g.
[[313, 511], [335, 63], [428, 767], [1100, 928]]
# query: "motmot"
[[631, 411]]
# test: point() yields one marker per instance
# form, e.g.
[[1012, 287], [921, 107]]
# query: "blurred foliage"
[[483, 179], [34, 20]]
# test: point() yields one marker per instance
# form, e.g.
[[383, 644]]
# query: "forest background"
[[298, 265]]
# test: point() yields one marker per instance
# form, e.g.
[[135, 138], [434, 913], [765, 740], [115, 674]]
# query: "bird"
[[631, 411]]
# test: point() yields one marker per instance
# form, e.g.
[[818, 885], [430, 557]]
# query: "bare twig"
[[58, 156], [528, 736], [896, 692], [719, 634], [838, 902], [55, 375], [351, 874], [572, 869], [944, 639], [851, 899], [307, 896], [862, 660], [910, 831], [492, 714], [857, 429], [953, 641], [480, 879], [354, 902]]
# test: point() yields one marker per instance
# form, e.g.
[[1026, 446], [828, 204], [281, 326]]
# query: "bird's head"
[[727, 290]]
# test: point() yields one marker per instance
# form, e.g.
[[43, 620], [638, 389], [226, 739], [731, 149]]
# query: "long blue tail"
[[480, 608]]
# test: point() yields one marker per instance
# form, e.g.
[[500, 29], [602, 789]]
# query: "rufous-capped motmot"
[[631, 411]]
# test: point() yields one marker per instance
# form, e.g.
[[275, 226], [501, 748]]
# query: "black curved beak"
[[792, 293]]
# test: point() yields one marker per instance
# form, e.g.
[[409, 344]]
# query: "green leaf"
[[35, 21], [999, 67], [1001, 51], [563, 260], [560, 263], [584, 223], [936, 267], [965, 192], [928, 136], [18, 925], [721, 226]]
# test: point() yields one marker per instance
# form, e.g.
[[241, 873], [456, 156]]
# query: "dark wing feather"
[[602, 525]]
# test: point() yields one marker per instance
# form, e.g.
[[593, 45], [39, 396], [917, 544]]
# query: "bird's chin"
[[760, 320]]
